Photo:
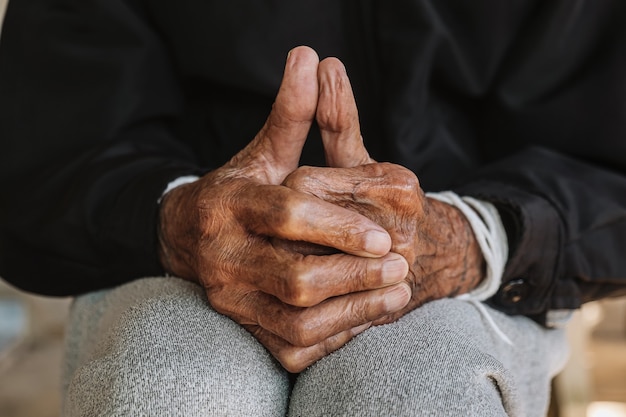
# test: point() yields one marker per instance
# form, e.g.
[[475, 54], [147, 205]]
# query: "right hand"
[[435, 238], [221, 232]]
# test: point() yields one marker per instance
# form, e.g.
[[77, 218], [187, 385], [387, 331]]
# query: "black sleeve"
[[566, 221], [560, 102], [88, 98]]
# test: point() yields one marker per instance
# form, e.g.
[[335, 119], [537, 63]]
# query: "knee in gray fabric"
[[439, 361], [166, 352]]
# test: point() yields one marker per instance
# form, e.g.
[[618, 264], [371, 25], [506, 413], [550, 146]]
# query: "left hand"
[[218, 232], [435, 238]]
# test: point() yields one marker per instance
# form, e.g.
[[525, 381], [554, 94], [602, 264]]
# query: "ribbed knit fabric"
[[154, 347]]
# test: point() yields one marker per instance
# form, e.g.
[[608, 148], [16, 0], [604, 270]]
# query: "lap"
[[155, 347], [443, 359]]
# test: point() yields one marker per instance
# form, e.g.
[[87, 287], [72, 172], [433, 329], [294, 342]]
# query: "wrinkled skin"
[[219, 232], [307, 258], [435, 238]]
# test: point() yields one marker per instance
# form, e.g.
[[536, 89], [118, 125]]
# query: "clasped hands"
[[306, 258]]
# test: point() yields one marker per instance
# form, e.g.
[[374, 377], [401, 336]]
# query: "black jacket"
[[522, 103]]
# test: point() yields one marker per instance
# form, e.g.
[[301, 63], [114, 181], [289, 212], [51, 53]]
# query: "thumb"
[[275, 151], [338, 117]]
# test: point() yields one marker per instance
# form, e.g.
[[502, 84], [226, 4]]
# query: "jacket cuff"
[[130, 232], [535, 238]]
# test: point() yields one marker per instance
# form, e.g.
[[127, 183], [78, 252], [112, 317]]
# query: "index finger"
[[338, 117], [277, 211]]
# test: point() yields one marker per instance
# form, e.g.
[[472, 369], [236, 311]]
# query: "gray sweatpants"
[[154, 347]]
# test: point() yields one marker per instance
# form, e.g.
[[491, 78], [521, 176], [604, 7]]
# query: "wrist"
[[465, 259], [174, 231], [489, 233]]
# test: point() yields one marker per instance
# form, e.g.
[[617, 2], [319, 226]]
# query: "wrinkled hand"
[[435, 238], [220, 231]]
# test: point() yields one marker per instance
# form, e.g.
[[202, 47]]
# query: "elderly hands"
[[255, 232]]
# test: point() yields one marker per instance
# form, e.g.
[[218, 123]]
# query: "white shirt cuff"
[[187, 179], [491, 236]]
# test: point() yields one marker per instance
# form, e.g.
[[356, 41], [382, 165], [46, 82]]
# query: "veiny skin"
[[435, 238], [255, 232]]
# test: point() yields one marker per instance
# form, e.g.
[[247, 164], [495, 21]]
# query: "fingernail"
[[397, 298], [361, 328], [377, 243], [394, 270]]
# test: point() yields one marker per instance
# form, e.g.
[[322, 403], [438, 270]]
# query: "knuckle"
[[299, 179], [403, 178], [302, 332], [402, 186], [283, 115], [359, 272], [283, 215], [396, 174], [291, 208], [327, 347], [388, 182], [410, 179], [219, 304], [325, 117], [330, 345], [365, 310], [371, 270], [291, 360], [299, 290]]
